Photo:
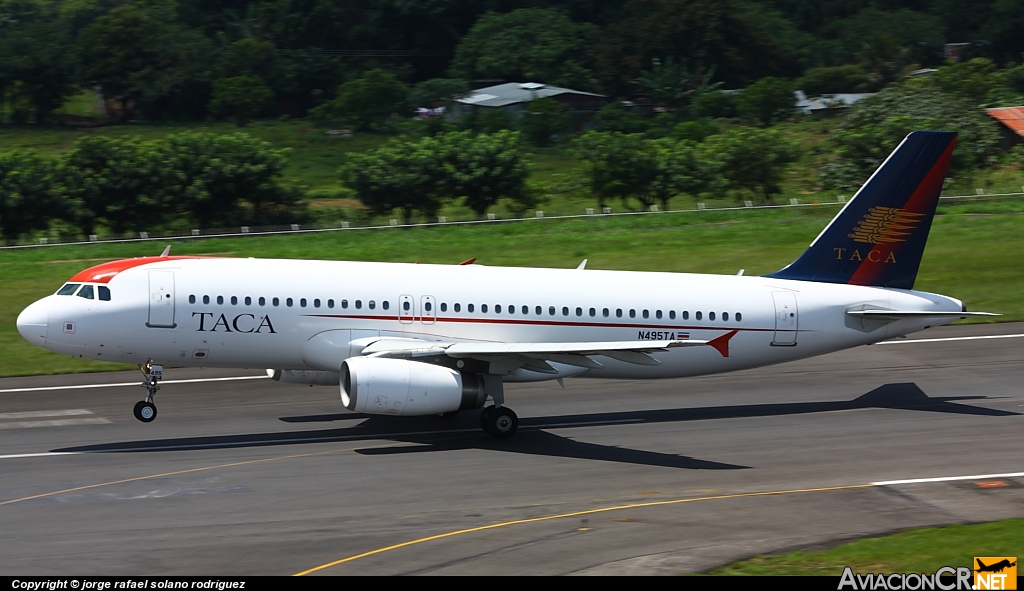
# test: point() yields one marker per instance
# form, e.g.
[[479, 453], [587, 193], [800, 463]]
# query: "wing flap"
[[897, 314]]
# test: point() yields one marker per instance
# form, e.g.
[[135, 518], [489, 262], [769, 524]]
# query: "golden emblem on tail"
[[885, 225]]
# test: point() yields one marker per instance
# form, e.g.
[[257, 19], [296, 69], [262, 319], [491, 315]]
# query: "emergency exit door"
[[161, 299]]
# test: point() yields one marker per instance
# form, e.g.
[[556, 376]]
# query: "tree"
[[618, 165], [752, 159], [543, 118], [27, 199], [399, 175], [972, 79], [875, 126], [148, 62], [681, 169], [483, 168], [241, 97], [527, 45], [366, 102], [211, 176], [833, 80], [437, 91], [119, 182], [701, 33], [38, 62], [767, 100]]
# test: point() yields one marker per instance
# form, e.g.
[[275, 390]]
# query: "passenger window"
[[647, 314], [458, 307], [191, 299], [263, 301], [85, 292], [511, 309], [526, 310], [632, 313], [248, 301], [739, 317], [686, 315], [538, 310], [344, 303], [604, 312], [277, 302], [444, 307], [288, 302], [220, 300], [104, 292], [698, 316], [672, 314], [497, 309], [483, 308], [316, 303], [385, 304], [359, 304], [405, 306], [618, 312], [302, 302], [711, 315], [657, 314], [579, 311], [68, 289], [725, 316], [565, 311], [373, 304], [206, 299], [593, 312], [469, 307], [330, 303], [234, 300], [551, 310]]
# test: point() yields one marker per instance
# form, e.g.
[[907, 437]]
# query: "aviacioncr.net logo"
[[946, 578]]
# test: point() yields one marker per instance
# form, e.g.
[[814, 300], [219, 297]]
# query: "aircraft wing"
[[533, 356]]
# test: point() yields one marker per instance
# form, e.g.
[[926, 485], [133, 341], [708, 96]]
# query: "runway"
[[251, 476]]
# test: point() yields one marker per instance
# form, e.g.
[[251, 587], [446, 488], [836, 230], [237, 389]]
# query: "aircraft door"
[[161, 299], [406, 309], [427, 311], [787, 318]]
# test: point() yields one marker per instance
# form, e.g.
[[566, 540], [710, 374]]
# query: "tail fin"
[[878, 238]]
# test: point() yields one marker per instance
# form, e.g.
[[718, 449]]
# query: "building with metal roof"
[[512, 98]]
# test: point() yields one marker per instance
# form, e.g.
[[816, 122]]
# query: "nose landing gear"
[[145, 410]]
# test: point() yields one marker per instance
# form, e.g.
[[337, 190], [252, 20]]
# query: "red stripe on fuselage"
[[922, 201], [546, 323]]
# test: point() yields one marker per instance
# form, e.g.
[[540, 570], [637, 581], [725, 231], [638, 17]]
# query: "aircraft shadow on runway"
[[436, 434]]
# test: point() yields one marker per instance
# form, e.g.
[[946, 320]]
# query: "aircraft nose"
[[32, 322]]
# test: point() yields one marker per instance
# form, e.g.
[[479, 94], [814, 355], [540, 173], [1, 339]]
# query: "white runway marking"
[[55, 423], [905, 341], [949, 478], [33, 414], [41, 455], [164, 382]]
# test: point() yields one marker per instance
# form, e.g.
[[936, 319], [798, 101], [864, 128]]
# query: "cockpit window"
[[68, 289], [86, 292], [104, 293]]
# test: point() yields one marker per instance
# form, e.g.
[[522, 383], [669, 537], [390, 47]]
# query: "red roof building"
[[1012, 120]]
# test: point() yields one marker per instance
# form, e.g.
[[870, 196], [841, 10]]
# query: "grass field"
[[918, 551], [972, 254]]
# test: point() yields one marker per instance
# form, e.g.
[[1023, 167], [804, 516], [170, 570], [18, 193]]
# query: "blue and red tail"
[[878, 238]]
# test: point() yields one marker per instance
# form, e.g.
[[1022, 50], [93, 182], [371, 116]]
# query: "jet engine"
[[381, 386]]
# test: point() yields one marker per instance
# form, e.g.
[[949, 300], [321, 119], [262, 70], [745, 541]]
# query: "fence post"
[[540, 213], [590, 211], [491, 216], [245, 229], [606, 210], [295, 227], [344, 224], [442, 219], [93, 238]]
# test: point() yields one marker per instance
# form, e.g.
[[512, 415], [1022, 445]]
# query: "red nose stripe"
[[105, 272]]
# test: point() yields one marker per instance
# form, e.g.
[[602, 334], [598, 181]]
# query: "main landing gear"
[[499, 421], [145, 410]]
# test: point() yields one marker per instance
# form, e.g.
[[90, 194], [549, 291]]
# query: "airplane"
[[410, 339], [994, 568]]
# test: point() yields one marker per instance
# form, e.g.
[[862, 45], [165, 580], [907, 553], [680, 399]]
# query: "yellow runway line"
[[574, 514]]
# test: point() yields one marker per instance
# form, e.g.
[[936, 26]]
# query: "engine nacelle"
[[304, 376], [374, 385]]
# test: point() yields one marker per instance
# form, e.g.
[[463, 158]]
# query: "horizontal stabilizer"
[[914, 314]]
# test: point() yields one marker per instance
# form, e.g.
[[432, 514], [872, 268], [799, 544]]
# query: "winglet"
[[166, 252], [721, 344]]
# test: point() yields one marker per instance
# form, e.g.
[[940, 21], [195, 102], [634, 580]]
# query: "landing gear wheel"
[[145, 411], [499, 422]]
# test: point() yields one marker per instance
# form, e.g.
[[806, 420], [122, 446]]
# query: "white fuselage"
[[222, 313]]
